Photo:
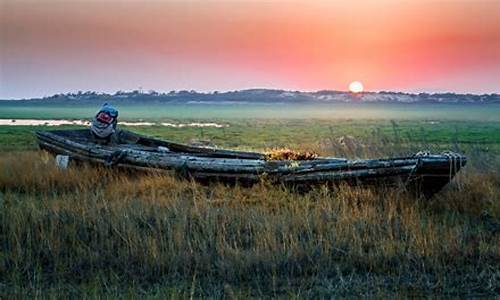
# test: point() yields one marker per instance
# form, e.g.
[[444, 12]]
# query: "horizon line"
[[249, 89]]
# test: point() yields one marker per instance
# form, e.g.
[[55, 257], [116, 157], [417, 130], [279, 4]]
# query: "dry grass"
[[288, 154], [92, 232]]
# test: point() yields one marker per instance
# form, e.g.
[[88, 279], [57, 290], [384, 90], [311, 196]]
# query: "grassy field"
[[326, 111], [93, 232]]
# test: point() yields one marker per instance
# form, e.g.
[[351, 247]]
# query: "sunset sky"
[[49, 46]]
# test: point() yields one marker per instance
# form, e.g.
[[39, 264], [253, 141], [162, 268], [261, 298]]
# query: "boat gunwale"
[[255, 166]]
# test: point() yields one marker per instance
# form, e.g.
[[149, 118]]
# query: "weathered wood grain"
[[231, 166]]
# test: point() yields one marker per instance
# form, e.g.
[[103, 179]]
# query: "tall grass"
[[91, 232], [397, 143]]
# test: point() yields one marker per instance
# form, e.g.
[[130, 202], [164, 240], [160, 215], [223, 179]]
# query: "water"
[[59, 122]]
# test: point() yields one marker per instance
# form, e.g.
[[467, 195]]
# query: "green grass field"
[[93, 232], [327, 111]]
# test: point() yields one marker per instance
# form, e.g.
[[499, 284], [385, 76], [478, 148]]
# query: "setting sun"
[[356, 87]]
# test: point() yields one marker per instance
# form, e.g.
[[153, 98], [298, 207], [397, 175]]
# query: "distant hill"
[[267, 96]]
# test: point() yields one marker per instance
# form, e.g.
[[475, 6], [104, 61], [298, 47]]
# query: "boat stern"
[[433, 172]]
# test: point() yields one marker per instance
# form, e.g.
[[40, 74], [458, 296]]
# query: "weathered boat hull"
[[424, 173]]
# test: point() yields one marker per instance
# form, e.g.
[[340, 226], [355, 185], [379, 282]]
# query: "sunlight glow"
[[356, 87]]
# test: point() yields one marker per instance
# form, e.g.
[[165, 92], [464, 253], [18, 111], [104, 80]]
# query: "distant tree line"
[[269, 96]]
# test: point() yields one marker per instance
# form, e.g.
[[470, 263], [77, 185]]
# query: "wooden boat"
[[423, 172]]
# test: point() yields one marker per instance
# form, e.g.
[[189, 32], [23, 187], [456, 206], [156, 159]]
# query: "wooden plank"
[[177, 147], [57, 150], [163, 160], [231, 166], [341, 175]]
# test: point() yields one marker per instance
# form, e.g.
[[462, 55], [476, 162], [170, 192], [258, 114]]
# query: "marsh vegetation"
[[94, 232]]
